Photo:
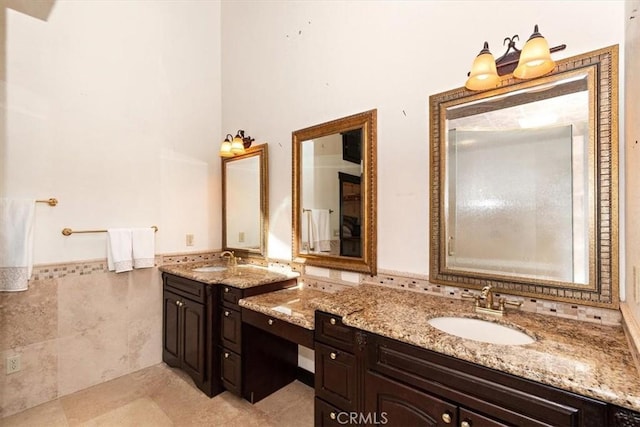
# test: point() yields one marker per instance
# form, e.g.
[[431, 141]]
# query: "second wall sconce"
[[233, 145], [534, 60]]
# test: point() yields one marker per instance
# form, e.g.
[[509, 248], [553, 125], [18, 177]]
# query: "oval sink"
[[480, 330], [209, 269]]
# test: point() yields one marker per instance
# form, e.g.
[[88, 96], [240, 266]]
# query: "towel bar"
[[308, 210], [51, 202], [69, 232]]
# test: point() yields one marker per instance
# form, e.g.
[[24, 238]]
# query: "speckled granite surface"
[[242, 276], [292, 305]]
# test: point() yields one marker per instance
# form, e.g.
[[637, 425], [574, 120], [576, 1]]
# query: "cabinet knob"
[[333, 355], [226, 355], [226, 290], [332, 415], [446, 417], [465, 423], [178, 303], [332, 321], [270, 321], [226, 314]]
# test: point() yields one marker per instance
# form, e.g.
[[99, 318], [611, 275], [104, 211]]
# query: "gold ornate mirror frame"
[[603, 287], [366, 263], [240, 187]]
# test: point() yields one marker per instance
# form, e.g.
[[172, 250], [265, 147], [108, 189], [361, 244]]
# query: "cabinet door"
[[231, 371], [335, 379], [170, 329], [193, 339], [396, 404], [231, 329]]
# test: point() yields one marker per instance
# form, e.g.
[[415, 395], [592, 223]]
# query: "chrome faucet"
[[231, 261]]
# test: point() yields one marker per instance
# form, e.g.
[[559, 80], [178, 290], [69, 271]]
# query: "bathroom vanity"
[[383, 360], [202, 333]]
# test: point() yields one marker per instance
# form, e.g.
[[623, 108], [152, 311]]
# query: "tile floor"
[[160, 396]]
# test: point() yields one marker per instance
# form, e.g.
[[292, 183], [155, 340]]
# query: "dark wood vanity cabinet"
[[366, 379], [187, 329], [338, 364], [247, 367]]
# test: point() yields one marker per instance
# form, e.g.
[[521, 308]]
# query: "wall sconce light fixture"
[[233, 145], [534, 60]]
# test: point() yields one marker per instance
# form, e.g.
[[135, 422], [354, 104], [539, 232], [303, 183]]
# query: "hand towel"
[[307, 231], [143, 243], [119, 250], [16, 243], [322, 226]]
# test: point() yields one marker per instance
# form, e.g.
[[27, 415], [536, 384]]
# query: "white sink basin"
[[480, 330], [209, 269]]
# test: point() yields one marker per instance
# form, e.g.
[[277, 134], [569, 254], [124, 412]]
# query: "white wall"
[[296, 64], [113, 107]]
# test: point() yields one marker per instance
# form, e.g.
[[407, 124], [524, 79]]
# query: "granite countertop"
[[588, 359], [242, 276], [292, 305]]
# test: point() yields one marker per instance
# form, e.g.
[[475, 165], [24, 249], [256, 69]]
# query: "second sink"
[[480, 330], [209, 269]]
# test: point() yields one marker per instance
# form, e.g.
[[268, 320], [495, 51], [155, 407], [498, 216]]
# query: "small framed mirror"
[[245, 211], [334, 193]]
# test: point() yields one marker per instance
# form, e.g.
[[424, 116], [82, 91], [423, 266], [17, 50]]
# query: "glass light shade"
[[483, 72], [225, 149], [237, 146], [535, 58]]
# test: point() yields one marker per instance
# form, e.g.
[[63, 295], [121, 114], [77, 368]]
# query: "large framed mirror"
[[524, 184], [245, 206], [334, 194]]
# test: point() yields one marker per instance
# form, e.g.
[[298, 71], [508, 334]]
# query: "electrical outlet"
[[241, 237], [189, 239], [13, 364]]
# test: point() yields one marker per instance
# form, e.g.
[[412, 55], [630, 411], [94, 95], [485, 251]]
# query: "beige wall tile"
[[35, 383], [29, 317], [91, 301], [144, 298], [145, 341], [92, 356]]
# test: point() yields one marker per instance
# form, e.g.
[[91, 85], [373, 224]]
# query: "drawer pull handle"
[[333, 355], [226, 355], [270, 321], [465, 423], [178, 303], [226, 314], [332, 415], [226, 290], [446, 417], [332, 321]]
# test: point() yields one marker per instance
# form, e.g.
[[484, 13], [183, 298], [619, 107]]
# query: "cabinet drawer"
[[327, 415], [336, 376], [330, 330], [230, 295], [472, 419], [231, 370], [231, 328], [510, 399], [278, 327], [191, 289]]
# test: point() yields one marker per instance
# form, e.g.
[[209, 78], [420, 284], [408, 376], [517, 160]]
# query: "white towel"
[[16, 243], [119, 249], [307, 231], [144, 244], [322, 228]]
